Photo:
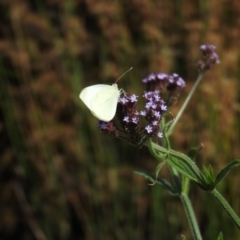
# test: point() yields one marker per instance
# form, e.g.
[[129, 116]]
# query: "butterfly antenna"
[[124, 73]]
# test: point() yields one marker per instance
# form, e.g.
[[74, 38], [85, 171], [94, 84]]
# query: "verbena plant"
[[149, 127]]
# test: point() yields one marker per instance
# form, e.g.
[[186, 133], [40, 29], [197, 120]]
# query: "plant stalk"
[[191, 216], [199, 78], [227, 207]]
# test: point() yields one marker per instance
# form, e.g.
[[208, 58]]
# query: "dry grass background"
[[59, 177]]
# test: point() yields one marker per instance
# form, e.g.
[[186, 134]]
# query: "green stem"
[[159, 152], [191, 216], [166, 154], [200, 76], [227, 207]]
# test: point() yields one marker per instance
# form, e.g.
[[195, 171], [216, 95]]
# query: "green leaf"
[[220, 236], [226, 170], [162, 182], [189, 169], [183, 167], [186, 181], [158, 168], [208, 174], [181, 163]]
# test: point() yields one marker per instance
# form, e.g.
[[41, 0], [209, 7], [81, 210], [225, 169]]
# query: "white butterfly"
[[102, 100]]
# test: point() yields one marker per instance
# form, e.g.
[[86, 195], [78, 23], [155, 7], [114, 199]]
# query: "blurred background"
[[60, 178]]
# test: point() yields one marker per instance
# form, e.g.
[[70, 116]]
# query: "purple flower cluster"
[[169, 86], [128, 118], [153, 111], [127, 111], [108, 128], [163, 82], [136, 126], [210, 57], [161, 92]]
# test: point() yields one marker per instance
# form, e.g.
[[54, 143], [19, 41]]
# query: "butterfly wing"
[[87, 94], [104, 103]]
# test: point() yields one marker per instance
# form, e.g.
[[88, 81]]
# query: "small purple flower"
[[123, 100], [108, 128], [171, 79], [128, 99], [145, 95], [154, 105], [126, 119], [157, 98], [102, 125], [210, 57], [148, 129], [162, 76], [160, 134], [151, 77], [163, 107], [148, 105], [207, 48], [135, 120], [176, 82], [181, 83], [143, 113], [133, 98], [157, 114]]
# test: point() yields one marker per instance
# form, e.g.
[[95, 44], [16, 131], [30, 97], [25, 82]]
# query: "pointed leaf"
[[225, 170], [183, 167], [220, 236], [158, 168], [208, 174], [162, 182]]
